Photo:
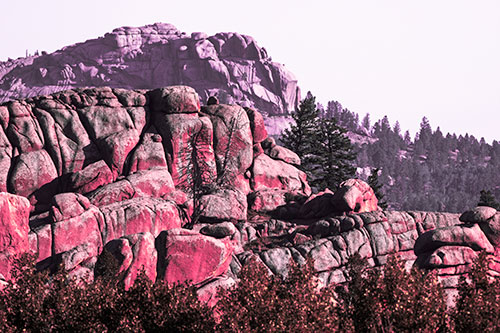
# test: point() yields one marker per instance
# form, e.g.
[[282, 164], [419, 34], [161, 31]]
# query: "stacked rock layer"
[[191, 192]]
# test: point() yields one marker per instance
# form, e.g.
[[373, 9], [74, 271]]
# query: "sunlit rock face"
[[112, 169], [229, 65], [188, 191]]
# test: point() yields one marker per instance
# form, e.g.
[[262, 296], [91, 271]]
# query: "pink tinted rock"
[[188, 144], [257, 150], [254, 79], [479, 214], [78, 230], [68, 205], [139, 215], [175, 99], [354, 195], [130, 97], [155, 183], [233, 144], [33, 175], [90, 178], [259, 132], [447, 256], [189, 256], [283, 154], [491, 228], [122, 251], [115, 192], [224, 205], [144, 257], [149, 152], [117, 147], [5, 160], [269, 174], [208, 292], [134, 253], [462, 235], [102, 121], [4, 117], [14, 215], [265, 201], [167, 217], [79, 254], [43, 246], [24, 131]]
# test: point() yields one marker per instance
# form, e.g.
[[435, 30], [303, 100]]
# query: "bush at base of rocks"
[[478, 302], [388, 299]]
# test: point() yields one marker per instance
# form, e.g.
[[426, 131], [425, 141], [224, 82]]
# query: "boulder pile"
[[190, 193]]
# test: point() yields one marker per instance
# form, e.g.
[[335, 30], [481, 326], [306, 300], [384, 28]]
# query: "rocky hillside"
[[229, 65], [192, 192]]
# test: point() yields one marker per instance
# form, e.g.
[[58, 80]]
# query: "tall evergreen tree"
[[334, 156], [374, 183], [325, 151], [300, 136]]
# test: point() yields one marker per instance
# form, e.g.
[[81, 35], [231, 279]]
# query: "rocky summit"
[[229, 65], [191, 193]]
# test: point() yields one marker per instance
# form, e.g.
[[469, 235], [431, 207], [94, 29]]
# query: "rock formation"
[[191, 192], [229, 65]]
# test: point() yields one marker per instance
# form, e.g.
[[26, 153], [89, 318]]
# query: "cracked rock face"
[[229, 65], [131, 171], [106, 168]]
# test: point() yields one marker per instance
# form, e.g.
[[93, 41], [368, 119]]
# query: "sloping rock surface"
[[107, 168], [190, 193], [232, 66]]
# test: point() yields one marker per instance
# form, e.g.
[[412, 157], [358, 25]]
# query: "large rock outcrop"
[[191, 192], [104, 168], [229, 65]]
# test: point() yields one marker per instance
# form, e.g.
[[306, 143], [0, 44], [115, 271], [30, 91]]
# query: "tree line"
[[432, 171]]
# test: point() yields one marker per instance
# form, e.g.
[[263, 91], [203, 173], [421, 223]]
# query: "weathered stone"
[[139, 215], [278, 260], [219, 230], [462, 235], [478, 214], [90, 178], [223, 205], [272, 174], [175, 99], [34, 176], [68, 205], [267, 200], [185, 255], [259, 132], [233, 144], [283, 154], [14, 214], [355, 195]]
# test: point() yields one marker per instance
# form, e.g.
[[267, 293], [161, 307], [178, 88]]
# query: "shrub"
[[39, 302], [390, 299], [265, 303], [477, 307]]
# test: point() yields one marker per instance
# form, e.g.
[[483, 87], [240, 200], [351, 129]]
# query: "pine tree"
[[377, 188], [487, 198], [334, 156], [325, 151], [300, 136]]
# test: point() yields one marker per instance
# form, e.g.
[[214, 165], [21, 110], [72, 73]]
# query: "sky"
[[404, 59]]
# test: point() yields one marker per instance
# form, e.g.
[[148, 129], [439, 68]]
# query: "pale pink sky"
[[400, 58]]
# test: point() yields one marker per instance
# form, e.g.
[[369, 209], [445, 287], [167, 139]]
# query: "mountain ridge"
[[229, 65]]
